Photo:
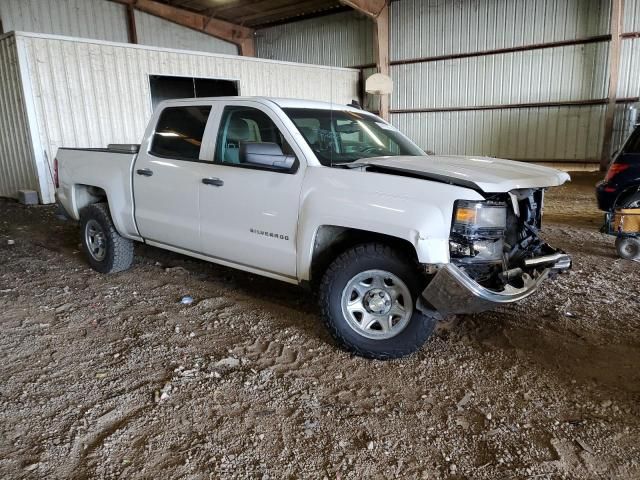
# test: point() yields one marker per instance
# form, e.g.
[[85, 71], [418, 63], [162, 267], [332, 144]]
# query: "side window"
[[633, 144], [179, 132], [242, 125]]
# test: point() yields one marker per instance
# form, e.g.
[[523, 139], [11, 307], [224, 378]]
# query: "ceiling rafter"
[[222, 29]]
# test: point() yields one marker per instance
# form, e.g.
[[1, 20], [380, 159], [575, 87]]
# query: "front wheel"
[[368, 297]]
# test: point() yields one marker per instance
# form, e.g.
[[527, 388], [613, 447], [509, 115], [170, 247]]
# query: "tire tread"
[[350, 256], [120, 257]]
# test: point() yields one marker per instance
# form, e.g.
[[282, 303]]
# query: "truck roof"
[[281, 102]]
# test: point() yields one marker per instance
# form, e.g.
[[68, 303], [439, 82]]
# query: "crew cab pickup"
[[322, 195]]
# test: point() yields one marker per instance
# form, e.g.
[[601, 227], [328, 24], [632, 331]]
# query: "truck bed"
[[108, 169]]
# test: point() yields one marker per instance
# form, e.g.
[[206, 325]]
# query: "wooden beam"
[[372, 8], [381, 46], [614, 73], [132, 31], [267, 14], [230, 32]]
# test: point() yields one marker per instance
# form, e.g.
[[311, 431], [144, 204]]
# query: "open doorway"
[[166, 87]]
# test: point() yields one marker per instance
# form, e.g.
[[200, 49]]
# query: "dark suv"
[[621, 186]]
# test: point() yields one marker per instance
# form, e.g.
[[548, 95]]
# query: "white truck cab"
[[319, 194]]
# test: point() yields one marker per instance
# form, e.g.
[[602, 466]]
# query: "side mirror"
[[266, 154]]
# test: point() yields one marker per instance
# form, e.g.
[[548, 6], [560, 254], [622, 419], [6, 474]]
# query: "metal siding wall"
[[569, 73], [629, 81], [17, 169], [342, 40], [157, 32], [555, 74], [97, 19], [532, 133], [89, 94], [631, 20], [425, 28]]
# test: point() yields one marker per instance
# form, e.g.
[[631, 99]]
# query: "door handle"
[[144, 171], [216, 182]]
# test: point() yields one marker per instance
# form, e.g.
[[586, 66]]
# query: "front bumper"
[[452, 291]]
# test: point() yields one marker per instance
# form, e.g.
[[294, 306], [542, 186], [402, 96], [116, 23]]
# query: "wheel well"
[[331, 241], [87, 195], [627, 194]]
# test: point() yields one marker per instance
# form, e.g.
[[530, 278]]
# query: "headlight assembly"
[[477, 233], [473, 219]]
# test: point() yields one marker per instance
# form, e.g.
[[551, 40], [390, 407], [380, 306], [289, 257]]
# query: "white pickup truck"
[[324, 195]]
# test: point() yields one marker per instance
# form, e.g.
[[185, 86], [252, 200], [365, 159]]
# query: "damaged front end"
[[496, 254]]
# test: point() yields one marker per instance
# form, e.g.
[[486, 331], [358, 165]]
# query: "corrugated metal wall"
[[631, 16], [426, 28], [97, 19], [90, 93], [341, 40], [564, 73], [103, 20], [157, 32], [547, 133], [576, 72], [629, 81], [17, 167]]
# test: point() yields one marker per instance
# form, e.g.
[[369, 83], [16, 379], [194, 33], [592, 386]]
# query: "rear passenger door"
[[167, 175]]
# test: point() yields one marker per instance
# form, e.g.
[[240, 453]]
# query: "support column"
[[378, 11], [381, 43], [131, 25], [614, 73]]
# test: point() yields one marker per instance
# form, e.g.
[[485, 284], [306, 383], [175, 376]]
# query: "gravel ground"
[[110, 376]]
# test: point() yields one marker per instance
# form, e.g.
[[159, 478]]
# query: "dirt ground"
[[111, 376]]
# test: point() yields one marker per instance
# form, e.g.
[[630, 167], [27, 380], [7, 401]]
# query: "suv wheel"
[[368, 297], [105, 249]]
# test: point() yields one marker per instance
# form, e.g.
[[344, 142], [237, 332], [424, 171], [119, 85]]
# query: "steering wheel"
[[372, 149]]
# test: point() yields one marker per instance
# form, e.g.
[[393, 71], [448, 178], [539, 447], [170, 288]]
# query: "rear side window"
[[179, 132], [633, 144]]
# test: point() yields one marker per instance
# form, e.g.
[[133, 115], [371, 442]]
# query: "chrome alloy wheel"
[[377, 304], [96, 240]]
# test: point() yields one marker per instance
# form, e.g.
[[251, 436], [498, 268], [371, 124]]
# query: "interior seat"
[[237, 131]]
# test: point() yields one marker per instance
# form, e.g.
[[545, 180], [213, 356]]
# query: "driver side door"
[[249, 213]]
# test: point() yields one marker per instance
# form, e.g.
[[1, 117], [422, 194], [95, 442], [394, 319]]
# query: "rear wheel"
[[368, 297], [106, 250], [628, 248]]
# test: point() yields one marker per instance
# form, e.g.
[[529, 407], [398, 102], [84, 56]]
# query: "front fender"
[[415, 210]]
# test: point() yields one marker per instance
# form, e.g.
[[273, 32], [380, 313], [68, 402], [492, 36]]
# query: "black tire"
[[362, 258], [117, 252], [628, 248]]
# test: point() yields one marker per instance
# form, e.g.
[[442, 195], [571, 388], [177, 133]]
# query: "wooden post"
[[381, 44], [614, 73], [131, 25], [378, 10]]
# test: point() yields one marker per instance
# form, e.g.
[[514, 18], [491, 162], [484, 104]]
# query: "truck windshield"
[[340, 137]]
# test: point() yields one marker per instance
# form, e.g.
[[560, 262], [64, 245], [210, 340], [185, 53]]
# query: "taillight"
[[615, 169], [55, 173]]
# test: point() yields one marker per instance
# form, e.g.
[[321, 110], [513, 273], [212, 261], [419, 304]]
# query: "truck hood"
[[489, 175]]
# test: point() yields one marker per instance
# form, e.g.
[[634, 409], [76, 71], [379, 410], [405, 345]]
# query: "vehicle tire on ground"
[[628, 248], [105, 249], [368, 297]]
